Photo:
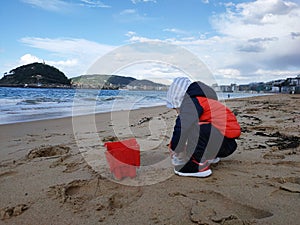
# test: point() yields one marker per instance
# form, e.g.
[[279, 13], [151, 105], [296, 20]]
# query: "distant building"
[[216, 87], [225, 88], [244, 87], [294, 81], [234, 87]]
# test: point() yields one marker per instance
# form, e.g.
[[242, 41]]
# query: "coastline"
[[35, 104], [258, 184]]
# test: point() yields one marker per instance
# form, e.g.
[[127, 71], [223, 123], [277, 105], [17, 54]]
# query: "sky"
[[237, 41]]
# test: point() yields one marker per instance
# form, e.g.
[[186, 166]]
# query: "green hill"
[[113, 82], [42, 75], [35, 75], [101, 81]]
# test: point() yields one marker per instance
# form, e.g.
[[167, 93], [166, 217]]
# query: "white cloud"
[[232, 59], [136, 38], [130, 15], [130, 34], [67, 46], [128, 11], [64, 66], [72, 56], [49, 5], [214, 51], [67, 63], [264, 33], [264, 11], [249, 20], [94, 4], [28, 58], [142, 1], [154, 71], [261, 35], [254, 41], [277, 74], [63, 5], [175, 31], [229, 75]]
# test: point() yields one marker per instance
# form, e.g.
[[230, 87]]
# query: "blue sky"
[[238, 41]]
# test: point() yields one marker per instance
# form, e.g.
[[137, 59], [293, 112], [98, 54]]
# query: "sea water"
[[30, 104]]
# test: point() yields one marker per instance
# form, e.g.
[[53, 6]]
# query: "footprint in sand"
[[48, 151], [7, 173], [289, 184], [271, 155], [96, 195], [9, 212], [209, 207]]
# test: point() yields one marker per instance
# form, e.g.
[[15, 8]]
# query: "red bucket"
[[123, 157]]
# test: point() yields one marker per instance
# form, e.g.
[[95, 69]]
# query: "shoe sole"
[[205, 173]]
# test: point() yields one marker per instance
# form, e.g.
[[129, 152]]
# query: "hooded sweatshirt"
[[177, 91]]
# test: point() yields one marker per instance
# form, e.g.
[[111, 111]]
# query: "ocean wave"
[[37, 101], [18, 104], [88, 99], [28, 102], [111, 98]]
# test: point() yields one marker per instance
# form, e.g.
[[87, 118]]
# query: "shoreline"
[[52, 171], [83, 115], [141, 107]]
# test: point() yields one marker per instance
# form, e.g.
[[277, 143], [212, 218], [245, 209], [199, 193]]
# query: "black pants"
[[207, 142]]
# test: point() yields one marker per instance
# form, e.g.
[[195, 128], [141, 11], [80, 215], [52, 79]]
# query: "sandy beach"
[[55, 171]]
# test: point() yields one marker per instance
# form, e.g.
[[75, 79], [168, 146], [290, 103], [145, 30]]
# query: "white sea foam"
[[29, 104]]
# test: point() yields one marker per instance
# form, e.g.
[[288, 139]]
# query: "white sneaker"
[[178, 159], [213, 161], [204, 171]]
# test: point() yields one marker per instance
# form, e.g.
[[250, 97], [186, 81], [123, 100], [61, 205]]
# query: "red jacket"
[[219, 116]]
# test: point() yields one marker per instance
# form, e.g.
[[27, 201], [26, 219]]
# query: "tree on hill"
[[146, 83], [119, 80], [33, 74], [101, 81]]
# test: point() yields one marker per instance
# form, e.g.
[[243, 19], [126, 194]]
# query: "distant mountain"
[[43, 75], [101, 81], [145, 83], [114, 82], [35, 75]]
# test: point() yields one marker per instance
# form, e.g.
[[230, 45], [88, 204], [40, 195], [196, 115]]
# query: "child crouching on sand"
[[205, 129]]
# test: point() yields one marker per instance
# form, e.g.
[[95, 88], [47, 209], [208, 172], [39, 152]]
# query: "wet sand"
[[55, 171]]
